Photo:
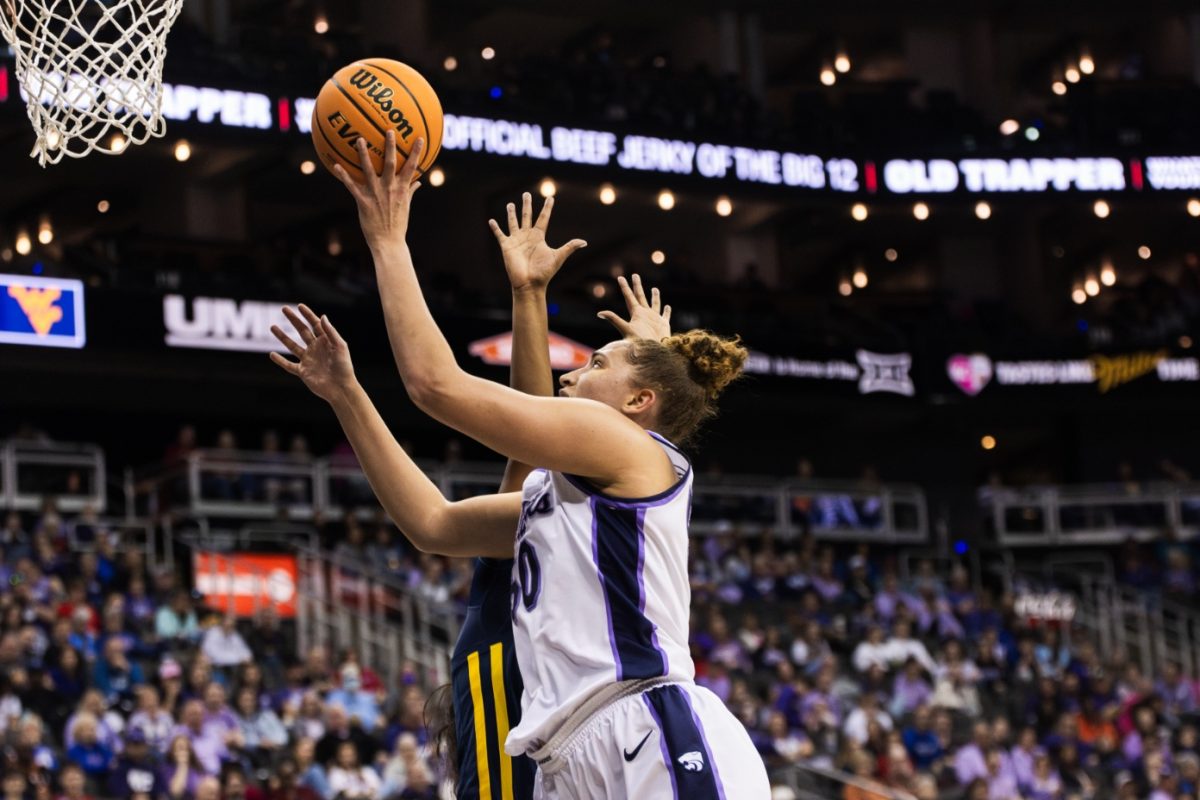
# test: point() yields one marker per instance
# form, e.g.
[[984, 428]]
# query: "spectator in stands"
[[88, 751], [176, 625], [262, 733], [309, 770], [114, 675], [14, 785], [339, 729], [873, 651], [859, 720], [207, 744], [224, 645], [360, 705], [73, 781], [135, 771], [970, 762], [181, 771], [283, 783], [153, 723], [350, 780]]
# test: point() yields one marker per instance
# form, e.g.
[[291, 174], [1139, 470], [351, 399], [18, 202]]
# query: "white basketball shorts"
[[676, 741]]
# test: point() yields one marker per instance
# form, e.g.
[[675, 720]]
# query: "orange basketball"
[[368, 98]]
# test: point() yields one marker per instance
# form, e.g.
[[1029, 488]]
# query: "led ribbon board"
[[42, 312]]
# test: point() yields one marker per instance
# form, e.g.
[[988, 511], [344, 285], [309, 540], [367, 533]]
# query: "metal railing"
[[1090, 514], [815, 782], [342, 603], [73, 474], [1153, 631], [249, 486]]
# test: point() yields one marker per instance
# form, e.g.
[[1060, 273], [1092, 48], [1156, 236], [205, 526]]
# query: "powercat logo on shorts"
[[219, 323], [693, 761], [381, 95]]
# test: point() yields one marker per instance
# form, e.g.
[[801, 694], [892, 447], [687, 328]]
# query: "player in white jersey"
[[601, 595]]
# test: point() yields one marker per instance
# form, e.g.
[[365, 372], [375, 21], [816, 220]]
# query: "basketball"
[[367, 98]]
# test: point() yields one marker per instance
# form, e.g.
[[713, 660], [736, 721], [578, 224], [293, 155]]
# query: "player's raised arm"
[[577, 436], [479, 526], [530, 263]]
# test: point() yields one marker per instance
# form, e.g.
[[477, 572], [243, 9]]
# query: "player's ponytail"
[[439, 721], [688, 371]]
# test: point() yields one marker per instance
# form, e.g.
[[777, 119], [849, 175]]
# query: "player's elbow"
[[432, 392]]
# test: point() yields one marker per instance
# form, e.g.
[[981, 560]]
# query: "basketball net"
[[90, 71]]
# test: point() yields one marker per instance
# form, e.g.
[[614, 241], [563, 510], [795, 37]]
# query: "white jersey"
[[600, 594]]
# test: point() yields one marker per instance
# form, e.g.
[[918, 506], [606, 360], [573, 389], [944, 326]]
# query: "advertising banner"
[[246, 582], [42, 312]]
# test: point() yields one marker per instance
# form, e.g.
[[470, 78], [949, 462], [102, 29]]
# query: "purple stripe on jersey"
[[660, 499], [641, 581], [703, 738], [612, 636], [662, 744]]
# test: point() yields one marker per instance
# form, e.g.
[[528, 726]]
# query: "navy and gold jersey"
[[487, 691]]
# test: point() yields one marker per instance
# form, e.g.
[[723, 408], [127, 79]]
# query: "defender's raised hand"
[[528, 259], [384, 200], [324, 359], [648, 319]]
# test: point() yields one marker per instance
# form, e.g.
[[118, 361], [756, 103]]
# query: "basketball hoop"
[[90, 71]]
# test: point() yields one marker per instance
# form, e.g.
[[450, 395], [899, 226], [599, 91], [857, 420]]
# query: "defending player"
[[600, 591]]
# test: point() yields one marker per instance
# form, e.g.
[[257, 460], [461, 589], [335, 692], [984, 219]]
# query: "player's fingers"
[[293, 347], [526, 209], [342, 175], [564, 252], [638, 291], [331, 331], [513, 227], [389, 155], [499, 234], [655, 300], [543, 220], [368, 166], [410, 164], [618, 323], [666, 314], [300, 325], [291, 367], [630, 299], [313, 319]]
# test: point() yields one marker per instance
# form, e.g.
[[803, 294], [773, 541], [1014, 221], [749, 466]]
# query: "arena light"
[[103, 206], [53, 138], [1071, 73], [487, 53], [1193, 207], [1144, 253], [860, 278], [45, 234], [1091, 286], [844, 288], [23, 244], [1009, 127], [547, 188], [724, 206], [334, 244], [828, 76], [1078, 295], [1032, 134], [988, 442], [1101, 209], [1086, 65], [450, 64], [321, 24], [308, 167], [608, 194], [6, 255], [983, 210], [858, 211], [1108, 274], [891, 254], [1059, 88], [1185, 342], [599, 290], [117, 143], [658, 257], [437, 177], [183, 150], [666, 200], [921, 211], [842, 63]]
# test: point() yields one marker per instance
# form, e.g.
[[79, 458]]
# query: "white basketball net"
[[90, 71]]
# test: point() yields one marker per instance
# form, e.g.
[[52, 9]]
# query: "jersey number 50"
[[528, 583]]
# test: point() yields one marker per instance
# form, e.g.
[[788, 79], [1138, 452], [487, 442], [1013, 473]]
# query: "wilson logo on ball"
[[380, 95]]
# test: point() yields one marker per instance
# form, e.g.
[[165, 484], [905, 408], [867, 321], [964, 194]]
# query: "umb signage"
[[42, 312], [221, 323]]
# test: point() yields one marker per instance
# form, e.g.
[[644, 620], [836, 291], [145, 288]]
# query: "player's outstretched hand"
[[324, 359], [648, 319], [384, 200], [529, 261]]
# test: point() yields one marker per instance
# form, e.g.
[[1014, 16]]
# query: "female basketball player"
[[600, 593]]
